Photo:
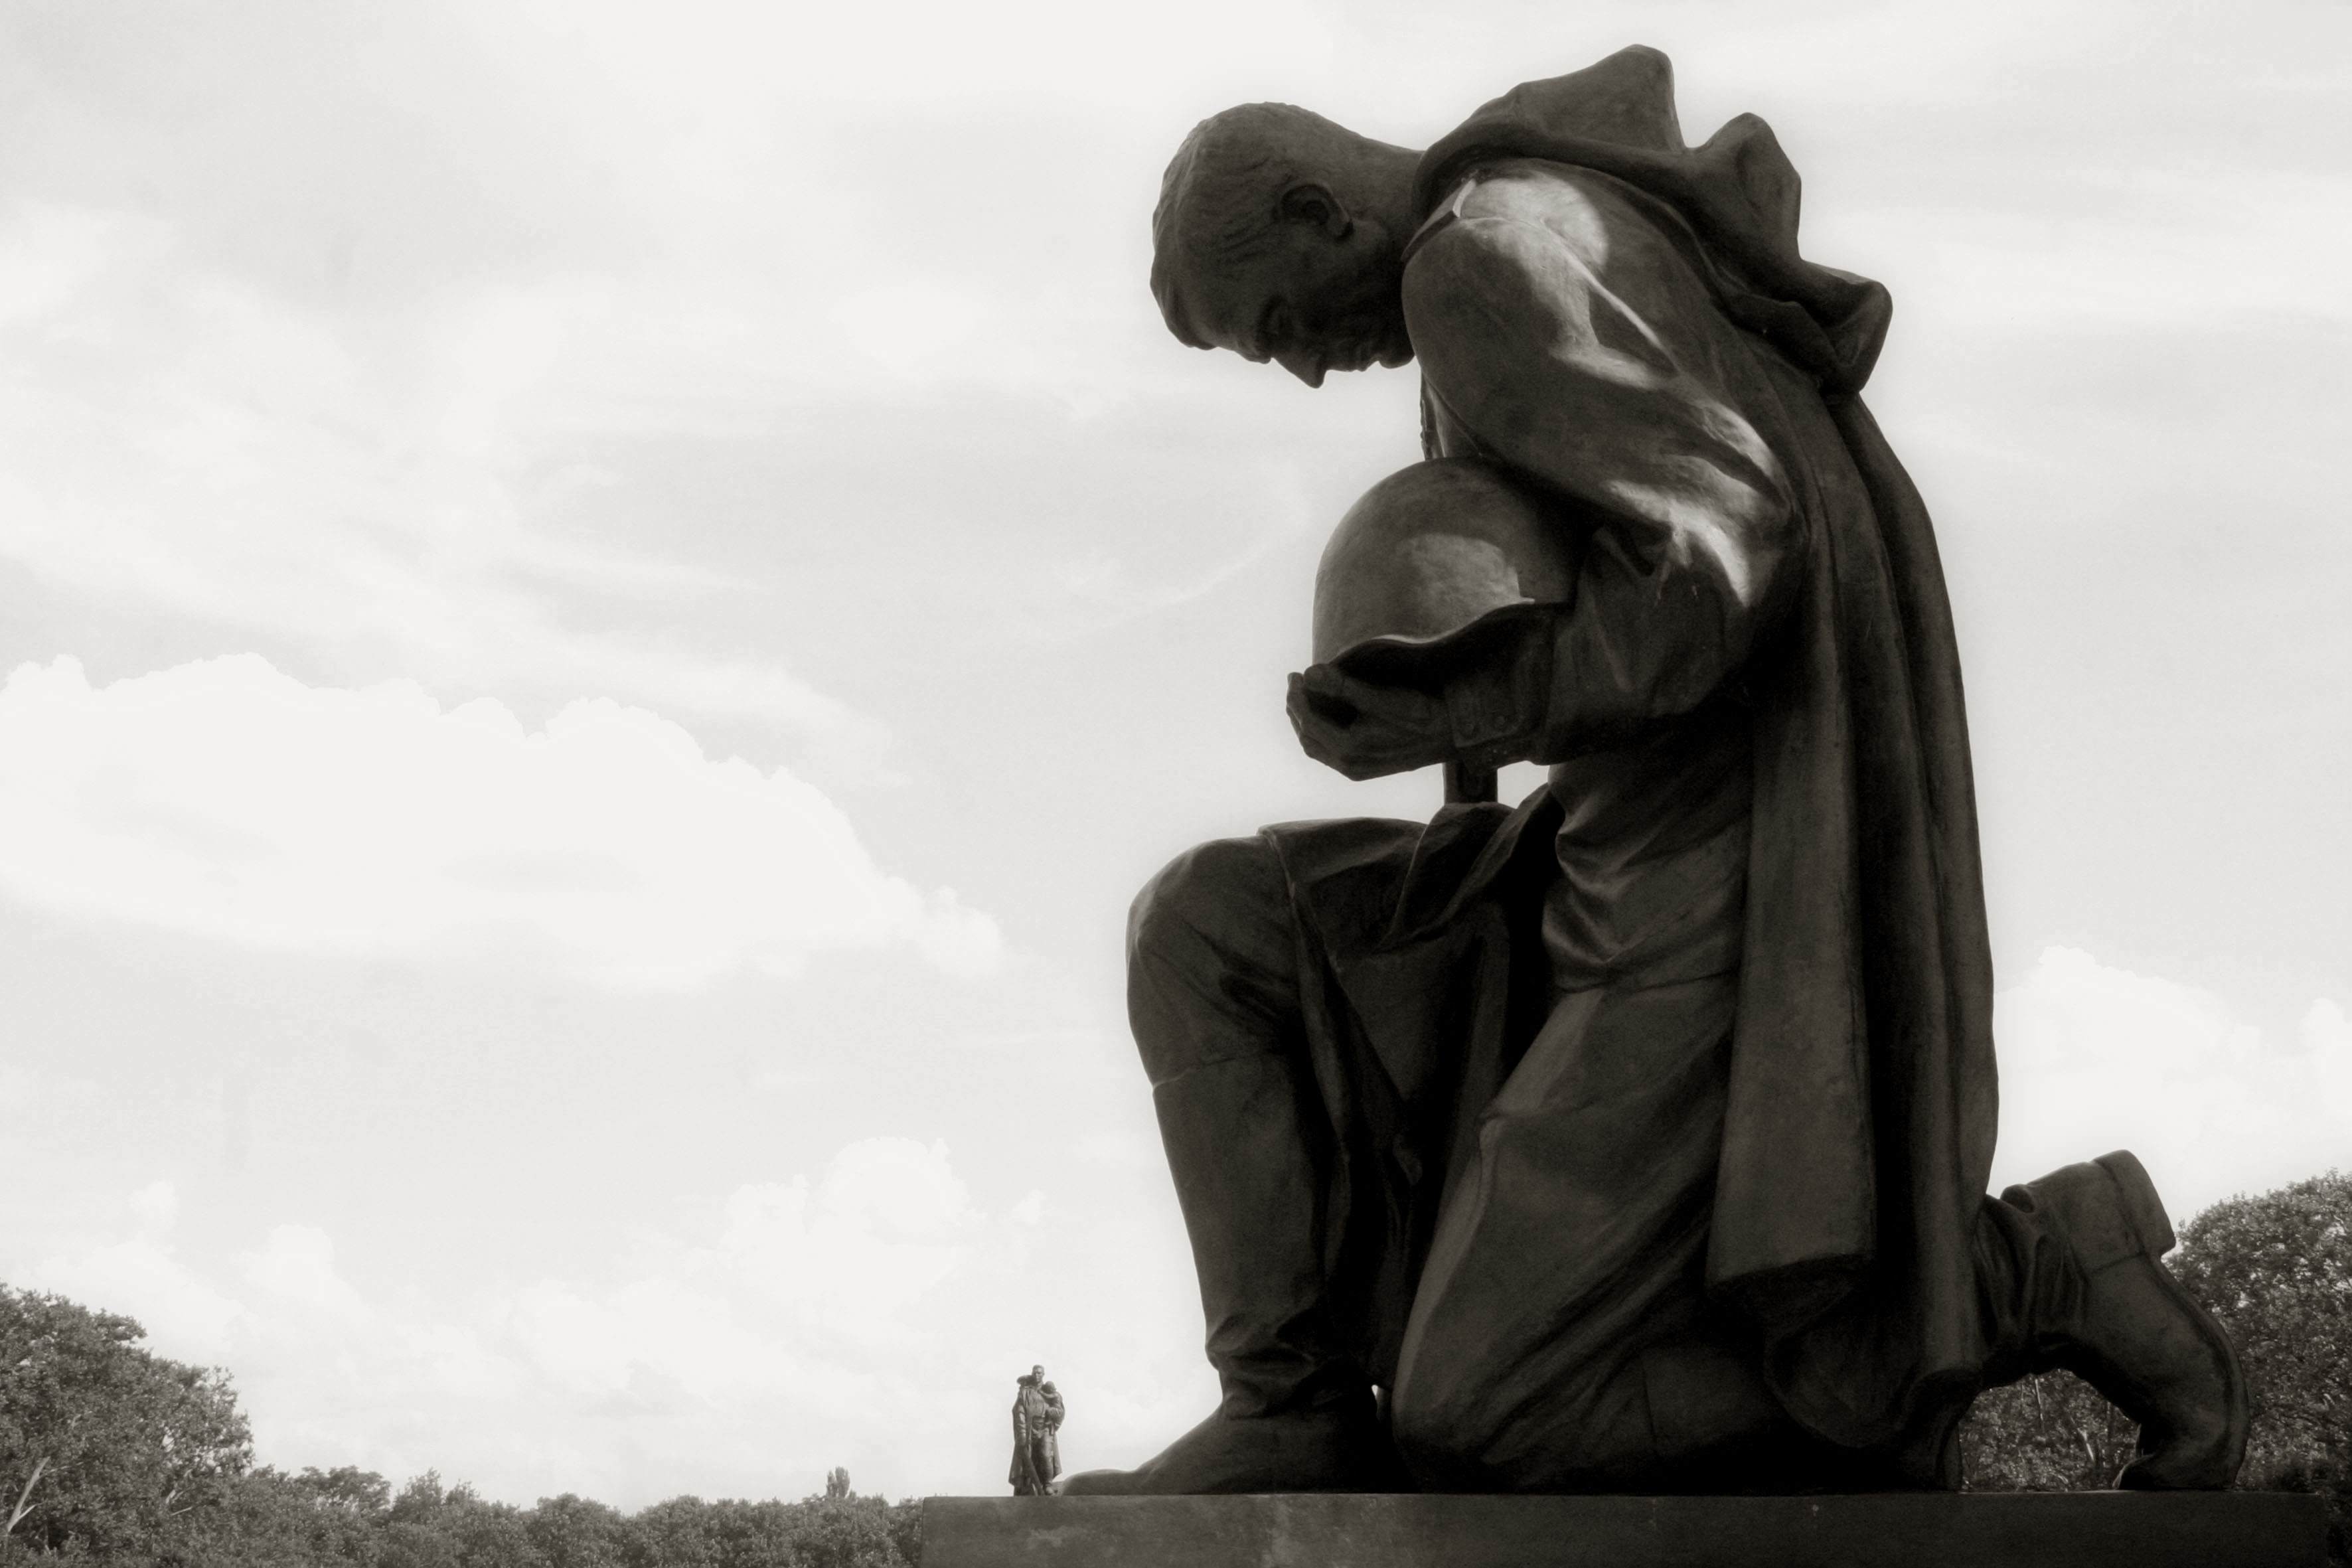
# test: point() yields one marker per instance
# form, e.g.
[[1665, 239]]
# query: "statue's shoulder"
[[1501, 206]]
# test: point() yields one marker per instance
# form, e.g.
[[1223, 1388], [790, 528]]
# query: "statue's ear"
[[1309, 202]]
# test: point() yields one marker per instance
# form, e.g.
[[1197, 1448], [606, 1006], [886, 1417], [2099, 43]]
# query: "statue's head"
[[1036, 1374], [1281, 236]]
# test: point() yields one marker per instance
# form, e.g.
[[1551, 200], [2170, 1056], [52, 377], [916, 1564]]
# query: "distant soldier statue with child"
[[1036, 1434]]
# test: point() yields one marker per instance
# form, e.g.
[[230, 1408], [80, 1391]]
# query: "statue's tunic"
[[1674, 1085], [1562, 1315]]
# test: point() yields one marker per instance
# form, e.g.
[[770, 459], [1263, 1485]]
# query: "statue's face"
[[1312, 302]]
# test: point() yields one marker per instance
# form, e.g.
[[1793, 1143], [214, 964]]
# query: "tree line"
[[117, 1457], [113, 1456]]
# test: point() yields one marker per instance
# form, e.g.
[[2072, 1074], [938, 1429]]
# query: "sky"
[[602, 607]]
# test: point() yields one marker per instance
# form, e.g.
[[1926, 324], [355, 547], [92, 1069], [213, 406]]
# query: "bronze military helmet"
[[1431, 550]]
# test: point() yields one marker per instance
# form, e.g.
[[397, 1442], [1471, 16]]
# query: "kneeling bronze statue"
[[1636, 1137]]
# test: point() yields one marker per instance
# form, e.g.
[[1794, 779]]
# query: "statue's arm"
[[1592, 361]]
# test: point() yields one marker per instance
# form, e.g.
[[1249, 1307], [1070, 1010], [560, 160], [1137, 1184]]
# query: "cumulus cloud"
[[227, 799], [802, 1286], [2094, 1058], [801, 1329], [370, 486], [142, 1275]]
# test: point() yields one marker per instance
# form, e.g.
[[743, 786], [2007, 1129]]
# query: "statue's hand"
[[1365, 730]]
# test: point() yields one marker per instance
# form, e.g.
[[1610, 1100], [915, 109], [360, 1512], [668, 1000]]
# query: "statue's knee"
[[1211, 959], [1211, 896]]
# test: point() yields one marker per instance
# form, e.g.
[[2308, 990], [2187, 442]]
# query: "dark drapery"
[[1859, 1130]]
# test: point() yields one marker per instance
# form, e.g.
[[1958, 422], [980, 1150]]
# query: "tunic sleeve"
[[1563, 334]]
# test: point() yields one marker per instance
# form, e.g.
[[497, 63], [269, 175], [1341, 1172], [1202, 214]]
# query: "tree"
[[573, 1532], [103, 1446], [855, 1532], [2277, 1271], [2049, 1434], [687, 1532], [271, 1519], [816, 1532], [430, 1526]]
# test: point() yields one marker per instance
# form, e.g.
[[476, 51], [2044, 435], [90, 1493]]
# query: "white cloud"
[[1121, 1149], [2107, 250], [2094, 1058], [371, 486], [2327, 1038], [155, 1206], [142, 1275], [298, 1268], [805, 1328], [889, 1223], [227, 799]]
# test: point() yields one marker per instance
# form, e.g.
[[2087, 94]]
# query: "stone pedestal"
[[1912, 1530]]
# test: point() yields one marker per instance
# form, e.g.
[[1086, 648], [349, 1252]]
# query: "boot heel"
[[2142, 1207]]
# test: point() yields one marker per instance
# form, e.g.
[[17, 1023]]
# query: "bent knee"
[[1212, 960], [1216, 895]]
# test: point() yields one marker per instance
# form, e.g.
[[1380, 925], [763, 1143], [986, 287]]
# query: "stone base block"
[[1910, 1530]]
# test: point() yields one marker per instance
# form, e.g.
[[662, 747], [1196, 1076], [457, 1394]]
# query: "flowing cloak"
[[1022, 1472], [1859, 1124]]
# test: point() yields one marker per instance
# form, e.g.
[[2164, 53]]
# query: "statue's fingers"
[[1332, 745], [1332, 684], [1324, 690], [1404, 708], [1317, 716]]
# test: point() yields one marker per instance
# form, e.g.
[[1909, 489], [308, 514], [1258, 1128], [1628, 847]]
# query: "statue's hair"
[[1221, 199]]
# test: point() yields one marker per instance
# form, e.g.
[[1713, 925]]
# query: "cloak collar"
[[1738, 193]]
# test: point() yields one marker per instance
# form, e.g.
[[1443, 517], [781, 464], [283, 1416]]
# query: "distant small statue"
[[1036, 1434], [837, 1484]]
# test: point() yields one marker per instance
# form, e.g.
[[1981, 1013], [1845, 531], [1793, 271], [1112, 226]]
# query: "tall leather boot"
[[2088, 1295], [1297, 1412]]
